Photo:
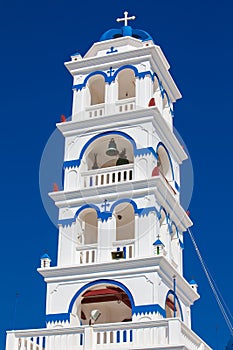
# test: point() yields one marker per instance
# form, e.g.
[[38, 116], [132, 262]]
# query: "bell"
[[122, 158], [112, 149]]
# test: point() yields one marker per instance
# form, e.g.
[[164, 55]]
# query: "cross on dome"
[[125, 19]]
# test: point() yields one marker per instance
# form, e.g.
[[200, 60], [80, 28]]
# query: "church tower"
[[118, 282]]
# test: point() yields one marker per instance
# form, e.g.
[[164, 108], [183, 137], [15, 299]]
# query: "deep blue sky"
[[36, 38]]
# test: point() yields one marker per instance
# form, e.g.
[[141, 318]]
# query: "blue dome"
[[192, 282], [126, 31], [45, 256]]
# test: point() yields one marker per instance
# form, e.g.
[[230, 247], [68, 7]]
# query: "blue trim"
[[66, 222], [139, 211], [58, 317], [145, 151], [146, 309], [160, 144], [177, 187], [77, 162], [87, 206], [109, 281], [105, 215], [111, 78], [178, 302]]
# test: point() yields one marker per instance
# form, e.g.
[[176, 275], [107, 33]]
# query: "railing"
[[86, 254], [96, 110], [126, 105], [108, 176], [127, 246], [99, 110], [165, 333]]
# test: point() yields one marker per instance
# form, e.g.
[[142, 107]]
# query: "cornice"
[[152, 53], [132, 118], [155, 186], [116, 269]]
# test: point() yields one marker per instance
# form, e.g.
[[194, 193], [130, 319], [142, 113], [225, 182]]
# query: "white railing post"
[[11, 342], [89, 339], [174, 331]]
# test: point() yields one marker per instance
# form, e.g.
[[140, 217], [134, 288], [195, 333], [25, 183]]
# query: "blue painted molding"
[[160, 144], [105, 215], [66, 222], [93, 283], [177, 301], [145, 151], [137, 152], [146, 309], [58, 317], [112, 77], [177, 187]]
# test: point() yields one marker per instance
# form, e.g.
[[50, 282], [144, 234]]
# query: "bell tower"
[[119, 282]]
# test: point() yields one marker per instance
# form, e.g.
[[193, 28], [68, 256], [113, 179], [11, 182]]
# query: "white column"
[[106, 235]]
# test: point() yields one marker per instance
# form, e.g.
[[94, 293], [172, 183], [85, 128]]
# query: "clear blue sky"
[[36, 38]]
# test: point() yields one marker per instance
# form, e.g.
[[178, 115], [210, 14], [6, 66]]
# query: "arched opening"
[[96, 85], [125, 221], [126, 84], [87, 227], [164, 163], [175, 246], [172, 306], [157, 94], [163, 227], [111, 301], [97, 154]]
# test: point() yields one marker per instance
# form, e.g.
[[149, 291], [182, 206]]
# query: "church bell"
[[112, 148]]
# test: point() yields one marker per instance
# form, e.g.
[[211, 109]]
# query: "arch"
[[125, 221], [101, 281], [165, 162], [126, 83], [168, 306], [97, 72], [124, 200], [88, 220], [163, 227], [86, 206], [106, 133], [96, 85]]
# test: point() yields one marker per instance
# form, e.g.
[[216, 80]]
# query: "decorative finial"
[[125, 19]]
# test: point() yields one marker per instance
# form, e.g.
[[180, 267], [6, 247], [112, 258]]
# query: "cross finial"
[[126, 18]]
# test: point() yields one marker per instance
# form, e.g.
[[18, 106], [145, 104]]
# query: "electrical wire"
[[213, 286]]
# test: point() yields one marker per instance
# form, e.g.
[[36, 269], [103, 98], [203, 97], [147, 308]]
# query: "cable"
[[212, 284]]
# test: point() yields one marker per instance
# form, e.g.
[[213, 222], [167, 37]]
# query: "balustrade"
[[108, 176], [164, 333], [86, 254]]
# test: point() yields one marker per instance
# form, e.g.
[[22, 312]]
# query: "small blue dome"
[[126, 31], [192, 282], [158, 242], [45, 256]]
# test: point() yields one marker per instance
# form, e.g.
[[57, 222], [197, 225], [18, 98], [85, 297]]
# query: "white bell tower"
[[119, 283]]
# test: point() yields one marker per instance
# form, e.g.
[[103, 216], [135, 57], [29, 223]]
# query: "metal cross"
[[105, 205], [111, 71], [126, 18]]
